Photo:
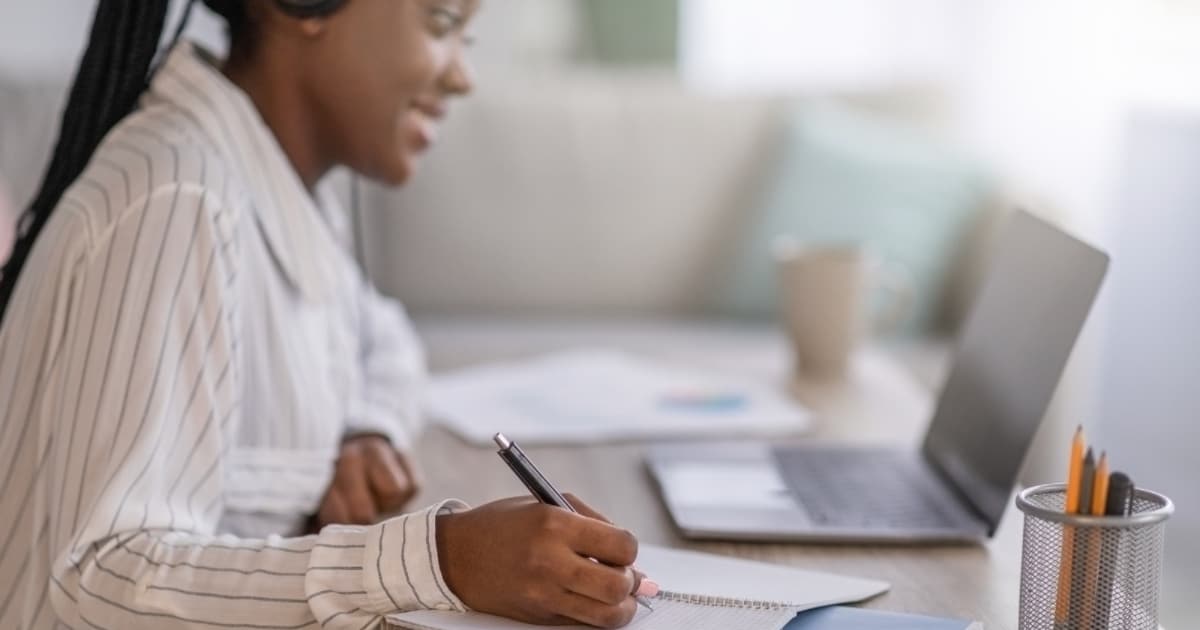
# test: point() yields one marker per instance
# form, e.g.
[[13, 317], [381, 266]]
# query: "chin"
[[398, 172]]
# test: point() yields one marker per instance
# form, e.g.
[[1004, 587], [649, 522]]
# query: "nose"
[[458, 79]]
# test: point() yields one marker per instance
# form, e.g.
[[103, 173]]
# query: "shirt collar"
[[285, 212]]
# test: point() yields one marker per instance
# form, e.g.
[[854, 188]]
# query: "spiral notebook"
[[703, 592]]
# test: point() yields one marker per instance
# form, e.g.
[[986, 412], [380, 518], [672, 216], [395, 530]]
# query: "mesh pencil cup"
[[1090, 572]]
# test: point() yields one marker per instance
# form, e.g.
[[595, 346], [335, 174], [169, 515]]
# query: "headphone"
[[309, 8]]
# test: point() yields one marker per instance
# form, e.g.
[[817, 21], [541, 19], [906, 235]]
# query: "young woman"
[[192, 367]]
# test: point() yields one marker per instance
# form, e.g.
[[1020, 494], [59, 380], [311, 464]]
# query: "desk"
[[975, 582]]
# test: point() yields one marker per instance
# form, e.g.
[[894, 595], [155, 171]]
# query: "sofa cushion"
[[842, 176]]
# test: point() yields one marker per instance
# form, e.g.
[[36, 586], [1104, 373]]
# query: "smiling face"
[[380, 74]]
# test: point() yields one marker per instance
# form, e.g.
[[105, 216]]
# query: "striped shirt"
[[187, 346]]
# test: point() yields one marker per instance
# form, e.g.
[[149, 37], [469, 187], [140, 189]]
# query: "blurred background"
[[631, 160]]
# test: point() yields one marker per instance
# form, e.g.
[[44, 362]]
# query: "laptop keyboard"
[[871, 489]]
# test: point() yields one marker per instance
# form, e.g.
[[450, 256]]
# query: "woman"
[[191, 367]]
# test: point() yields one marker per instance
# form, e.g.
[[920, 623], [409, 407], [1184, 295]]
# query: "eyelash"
[[446, 21]]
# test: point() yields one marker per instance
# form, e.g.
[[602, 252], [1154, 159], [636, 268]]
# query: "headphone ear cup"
[[309, 8]]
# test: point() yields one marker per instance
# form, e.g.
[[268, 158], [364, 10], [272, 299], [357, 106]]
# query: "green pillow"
[[842, 176]]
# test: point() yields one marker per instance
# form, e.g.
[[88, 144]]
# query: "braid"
[[111, 77], [234, 14]]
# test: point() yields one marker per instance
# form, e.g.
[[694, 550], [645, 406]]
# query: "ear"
[[276, 19]]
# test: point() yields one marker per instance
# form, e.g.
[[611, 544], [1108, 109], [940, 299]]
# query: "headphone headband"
[[302, 9]]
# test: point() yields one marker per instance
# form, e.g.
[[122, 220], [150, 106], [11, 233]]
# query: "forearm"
[[344, 577]]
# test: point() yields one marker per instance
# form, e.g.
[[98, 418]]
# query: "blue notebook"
[[845, 618]]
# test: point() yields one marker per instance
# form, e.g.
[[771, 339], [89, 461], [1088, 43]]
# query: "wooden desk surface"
[[978, 582]]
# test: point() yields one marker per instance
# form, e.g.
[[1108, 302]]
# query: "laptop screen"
[[1010, 356]]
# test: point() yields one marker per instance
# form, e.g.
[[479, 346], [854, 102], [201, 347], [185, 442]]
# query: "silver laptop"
[[1006, 367]]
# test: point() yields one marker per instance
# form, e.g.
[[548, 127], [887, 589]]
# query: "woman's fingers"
[[595, 613], [351, 481], [609, 544], [412, 470], [584, 508], [390, 484], [609, 585], [333, 509]]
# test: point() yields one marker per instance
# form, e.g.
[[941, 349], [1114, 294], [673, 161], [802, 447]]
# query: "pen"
[[538, 485], [1120, 495], [1119, 502]]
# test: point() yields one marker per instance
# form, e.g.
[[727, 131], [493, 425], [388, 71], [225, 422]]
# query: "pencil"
[[1095, 538], [1100, 487], [1087, 479], [1079, 538], [1074, 477]]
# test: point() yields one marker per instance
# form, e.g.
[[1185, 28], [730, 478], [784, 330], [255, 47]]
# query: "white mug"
[[823, 293]]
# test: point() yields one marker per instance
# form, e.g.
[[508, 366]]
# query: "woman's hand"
[[532, 562], [371, 480]]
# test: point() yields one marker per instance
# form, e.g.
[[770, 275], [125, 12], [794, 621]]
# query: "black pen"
[[1119, 502], [538, 485]]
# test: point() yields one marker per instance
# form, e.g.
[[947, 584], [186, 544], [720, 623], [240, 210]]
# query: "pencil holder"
[[1090, 572]]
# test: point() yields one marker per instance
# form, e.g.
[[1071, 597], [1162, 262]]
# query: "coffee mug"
[[823, 297]]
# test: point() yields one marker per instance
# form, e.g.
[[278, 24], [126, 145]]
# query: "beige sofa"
[[590, 193]]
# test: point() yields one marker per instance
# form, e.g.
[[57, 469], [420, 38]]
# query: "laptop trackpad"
[[726, 484]]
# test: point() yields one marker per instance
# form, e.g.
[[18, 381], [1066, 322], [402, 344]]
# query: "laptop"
[[1007, 364]]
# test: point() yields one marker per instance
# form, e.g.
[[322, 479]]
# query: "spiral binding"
[[721, 602]]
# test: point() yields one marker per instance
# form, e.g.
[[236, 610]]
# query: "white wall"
[[1047, 96], [44, 38], [1149, 408], [815, 44]]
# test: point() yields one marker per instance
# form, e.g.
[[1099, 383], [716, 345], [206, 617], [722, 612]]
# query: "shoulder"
[[152, 161]]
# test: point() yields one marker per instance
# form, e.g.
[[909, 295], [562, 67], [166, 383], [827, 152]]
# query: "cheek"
[[395, 158], [382, 117]]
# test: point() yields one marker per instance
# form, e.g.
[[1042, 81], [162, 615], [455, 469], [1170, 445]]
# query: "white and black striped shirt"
[[187, 346]]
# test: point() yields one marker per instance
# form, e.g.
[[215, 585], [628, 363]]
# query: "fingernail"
[[648, 588]]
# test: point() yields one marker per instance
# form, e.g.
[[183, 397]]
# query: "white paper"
[[665, 616], [696, 574], [596, 395], [710, 575]]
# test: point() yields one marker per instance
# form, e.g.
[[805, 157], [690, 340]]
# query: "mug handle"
[[896, 281]]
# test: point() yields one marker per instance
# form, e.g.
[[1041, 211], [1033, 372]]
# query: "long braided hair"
[[115, 69]]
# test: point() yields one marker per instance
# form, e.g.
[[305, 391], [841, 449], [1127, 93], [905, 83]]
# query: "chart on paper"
[[598, 395]]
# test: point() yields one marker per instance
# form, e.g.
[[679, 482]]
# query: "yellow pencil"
[[1100, 487], [1074, 482], [1094, 540]]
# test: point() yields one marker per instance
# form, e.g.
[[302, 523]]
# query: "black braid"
[[112, 75], [234, 14]]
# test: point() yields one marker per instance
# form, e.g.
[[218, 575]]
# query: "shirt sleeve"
[[148, 412], [391, 396]]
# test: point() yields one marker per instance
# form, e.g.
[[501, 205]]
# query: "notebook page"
[[667, 615], [709, 575]]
